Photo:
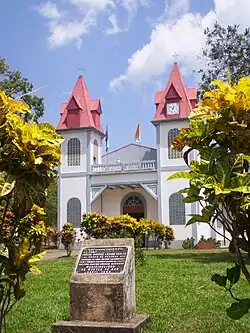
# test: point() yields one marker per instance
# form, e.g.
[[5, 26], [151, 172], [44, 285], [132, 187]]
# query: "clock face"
[[172, 108]]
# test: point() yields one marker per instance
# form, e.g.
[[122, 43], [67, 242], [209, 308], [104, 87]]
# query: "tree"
[[16, 86], [29, 154], [51, 208], [227, 53], [220, 180]]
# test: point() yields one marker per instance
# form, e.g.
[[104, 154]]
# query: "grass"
[[173, 287]]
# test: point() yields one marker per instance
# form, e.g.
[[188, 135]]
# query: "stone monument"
[[102, 290]]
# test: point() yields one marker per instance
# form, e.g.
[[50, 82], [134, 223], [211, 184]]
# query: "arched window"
[[177, 215], [172, 154], [133, 200], [134, 205], [74, 152], [74, 212], [95, 152]]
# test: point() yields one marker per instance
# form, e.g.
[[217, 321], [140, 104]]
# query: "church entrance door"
[[134, 206]]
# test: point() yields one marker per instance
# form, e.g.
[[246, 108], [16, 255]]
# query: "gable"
[[129, 154], [73, 105], [172, 93]]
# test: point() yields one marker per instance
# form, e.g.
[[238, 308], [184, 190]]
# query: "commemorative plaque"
[[102, 260], [102, 290]]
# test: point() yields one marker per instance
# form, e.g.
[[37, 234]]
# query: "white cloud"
[[233, 12], [63, 30], [132, 5], [115, 29], [93, 4], [183, 36], [63, 33], [49, 10], [175, 8]]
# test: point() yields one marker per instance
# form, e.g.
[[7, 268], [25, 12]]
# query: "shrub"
[[212, 241], [169, 234], [188, 243], [94, 225], [52, 236], [68, 236], [29, 155], [124, 224], [158, 231]]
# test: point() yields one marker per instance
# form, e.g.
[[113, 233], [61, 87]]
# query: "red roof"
[[80, 110], [175, 91]]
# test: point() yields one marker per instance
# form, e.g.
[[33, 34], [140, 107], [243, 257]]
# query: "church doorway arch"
[[134, 205]]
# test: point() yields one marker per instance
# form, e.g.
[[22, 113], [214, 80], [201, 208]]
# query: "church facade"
[[132, 179]]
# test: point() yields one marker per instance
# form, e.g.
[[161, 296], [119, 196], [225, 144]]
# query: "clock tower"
[[173, 106]]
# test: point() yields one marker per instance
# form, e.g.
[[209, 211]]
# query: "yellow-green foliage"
[[94, 224], [29, 153], [99, 226], [68, 236], [219, 180]]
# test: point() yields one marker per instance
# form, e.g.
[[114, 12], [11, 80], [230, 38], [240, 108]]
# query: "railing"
[[124, 167]]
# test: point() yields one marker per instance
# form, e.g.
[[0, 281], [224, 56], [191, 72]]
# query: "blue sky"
[[124, 49]]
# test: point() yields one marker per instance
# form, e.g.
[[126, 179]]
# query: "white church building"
[[132, 179]]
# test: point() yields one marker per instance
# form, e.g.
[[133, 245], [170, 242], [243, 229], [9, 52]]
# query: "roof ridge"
[[127, 145]]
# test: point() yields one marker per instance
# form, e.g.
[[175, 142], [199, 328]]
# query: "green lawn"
[[173, 287]]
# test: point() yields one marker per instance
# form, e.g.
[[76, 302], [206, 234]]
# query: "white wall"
[[72, 188], [97, 204], [94, 136], [164, 128], [82, 136], [168, 188], [109, 203]]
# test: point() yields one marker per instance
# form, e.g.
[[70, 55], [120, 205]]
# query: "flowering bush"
[[169, 234], [123, 225], [68, 236], [98, 225], [94, 225]]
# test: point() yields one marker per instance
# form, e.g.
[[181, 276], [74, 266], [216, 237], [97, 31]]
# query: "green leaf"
[[219, 189], [247, 158], [220, 280], [238, 309], [191, 198], [233, 274], [198, 218], [7, 183], [191, 221], [242, 189], [181, 174]]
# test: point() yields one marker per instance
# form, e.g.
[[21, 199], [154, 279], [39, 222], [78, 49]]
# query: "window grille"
[[74, 212], [172, 153], [177, 214], [134, 200], [74, 152]]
